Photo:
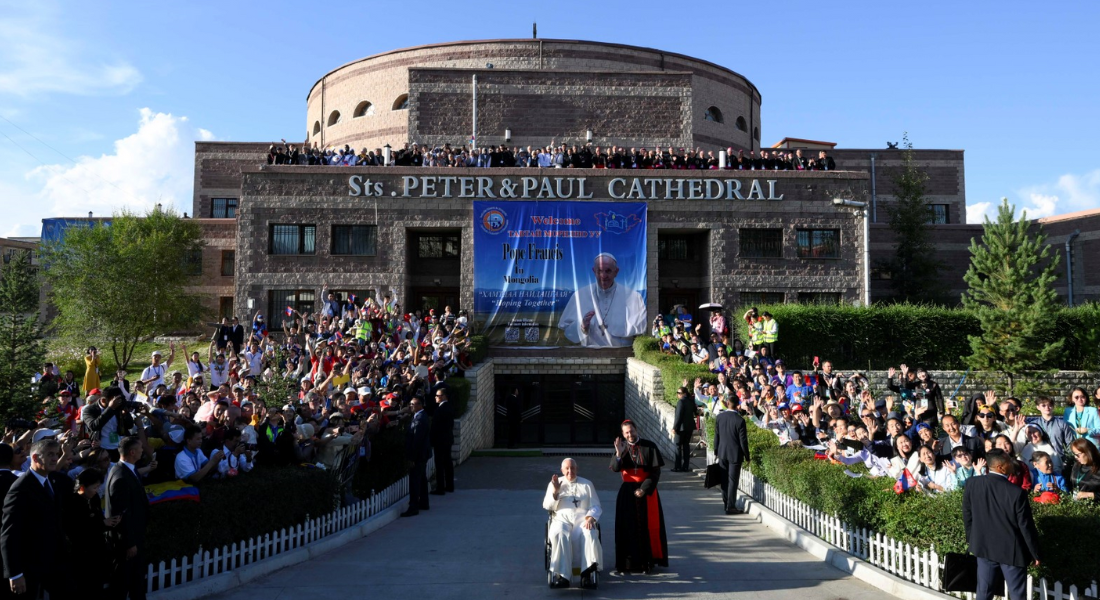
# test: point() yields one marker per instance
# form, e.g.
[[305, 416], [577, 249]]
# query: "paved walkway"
[[486, 541]]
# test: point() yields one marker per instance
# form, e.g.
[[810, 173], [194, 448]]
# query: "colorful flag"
[[905, 482], [351, 298], [289, 311], [171, 490]]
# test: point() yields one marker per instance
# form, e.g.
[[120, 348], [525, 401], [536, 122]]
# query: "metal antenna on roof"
[[535, 30]]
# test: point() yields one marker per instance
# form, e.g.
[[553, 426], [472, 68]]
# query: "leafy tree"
[[21, 350], [913, 269], [125, 282], [1010, 277]]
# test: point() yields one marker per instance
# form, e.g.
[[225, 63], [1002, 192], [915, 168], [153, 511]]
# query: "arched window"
[[713, 114], [363, 109], [401, 103], [333, 118], [756, 133], [316, 127], [741, 124]]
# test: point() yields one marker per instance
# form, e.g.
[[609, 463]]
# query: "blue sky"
[[117, 92]]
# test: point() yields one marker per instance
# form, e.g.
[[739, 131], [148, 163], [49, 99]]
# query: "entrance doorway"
[[562, 410], [434, 298]]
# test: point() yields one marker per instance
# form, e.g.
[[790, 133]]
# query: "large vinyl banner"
[[560, 273]]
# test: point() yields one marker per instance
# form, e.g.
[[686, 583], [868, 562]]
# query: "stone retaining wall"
[[645, 405], [474, 429], [976, 383]]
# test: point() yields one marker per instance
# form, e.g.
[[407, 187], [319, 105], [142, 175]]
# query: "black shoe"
[[587, 583], [438, 493], [450, 490], [591, 569], [410, 513], [560, 583], [734, 511], [424, 507]]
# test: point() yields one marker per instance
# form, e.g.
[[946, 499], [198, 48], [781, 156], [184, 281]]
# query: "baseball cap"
[[65, 393], [156, 353], [923, 425], [42, 434], [880, 404], [175, 433], [94, 392], [784, 406]]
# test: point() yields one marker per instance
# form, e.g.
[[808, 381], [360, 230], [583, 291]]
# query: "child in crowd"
[[964, 467], [1043, 475]]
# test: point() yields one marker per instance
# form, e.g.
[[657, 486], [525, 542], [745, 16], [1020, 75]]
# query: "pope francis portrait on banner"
[[604, 314]]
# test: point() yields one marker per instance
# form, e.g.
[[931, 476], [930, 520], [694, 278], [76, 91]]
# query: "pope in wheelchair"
[[573, 531]]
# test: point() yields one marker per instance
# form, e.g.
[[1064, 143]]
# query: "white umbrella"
[[710, 306]]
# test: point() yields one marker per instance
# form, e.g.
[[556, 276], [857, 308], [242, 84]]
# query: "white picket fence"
[[205, 563], [922, 566]]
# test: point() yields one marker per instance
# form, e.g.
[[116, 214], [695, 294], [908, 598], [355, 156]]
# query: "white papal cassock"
[[619, 316], [577, 499]]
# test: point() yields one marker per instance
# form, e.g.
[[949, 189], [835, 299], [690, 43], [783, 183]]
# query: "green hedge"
[[912, 518], [917, 519], [230, 510], [887, 335]]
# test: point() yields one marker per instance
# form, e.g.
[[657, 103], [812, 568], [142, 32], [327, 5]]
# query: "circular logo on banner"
[[493, 220]]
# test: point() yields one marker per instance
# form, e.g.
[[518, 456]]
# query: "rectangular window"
[[228, 258], [447, 245], [761, 298], [939, 214], [223, 208], [293, 239], [278, 300], [192, 263], [761, 243], [355, 240], [818, 243], [225, 306], [819, 297], [677, 247]]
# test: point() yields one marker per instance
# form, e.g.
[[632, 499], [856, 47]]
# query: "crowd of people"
[[315, 396], [912, 432], [553, 156]]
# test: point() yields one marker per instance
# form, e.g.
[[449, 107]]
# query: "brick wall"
[[218, 168], [645, 405], [474, 430], [640, 109]]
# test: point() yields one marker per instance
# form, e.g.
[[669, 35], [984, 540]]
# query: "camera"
[[18, 423]]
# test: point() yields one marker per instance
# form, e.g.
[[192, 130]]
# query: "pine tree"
[[21, 348], [1010, 277], [914, 270]]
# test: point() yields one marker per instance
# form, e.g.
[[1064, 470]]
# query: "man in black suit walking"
[[417, 449], [126, 498], [31, 540], [442, 438], [731, 442], [999, 528], [683, 427]]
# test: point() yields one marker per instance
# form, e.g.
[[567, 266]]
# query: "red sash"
[[653, 513]]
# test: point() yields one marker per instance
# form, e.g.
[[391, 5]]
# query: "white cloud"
[[1070, 193], [154, 165], [34, 59], [975, 212]]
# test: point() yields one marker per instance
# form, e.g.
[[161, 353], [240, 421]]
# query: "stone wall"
[[474, 429], [976, 383], [645, 405], [218, 167]]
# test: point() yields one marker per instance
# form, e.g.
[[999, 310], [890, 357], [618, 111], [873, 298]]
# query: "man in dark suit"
[[825, 162], [236, 335], [731, 442], [442, 438], [683, 427], [31, 540], [954, 437], [417, 449], [999, 528], [126, 498]]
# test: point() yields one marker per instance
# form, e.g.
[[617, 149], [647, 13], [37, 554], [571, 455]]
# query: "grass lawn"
[[68, 357]]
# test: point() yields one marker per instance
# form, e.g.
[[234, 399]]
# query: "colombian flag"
[[171, 490]]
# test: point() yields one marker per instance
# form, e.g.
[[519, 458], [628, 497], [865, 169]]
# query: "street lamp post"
[[861, 209]]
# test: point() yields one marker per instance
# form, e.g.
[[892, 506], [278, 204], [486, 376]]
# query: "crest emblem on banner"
[[493, 220], [613, 222]]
